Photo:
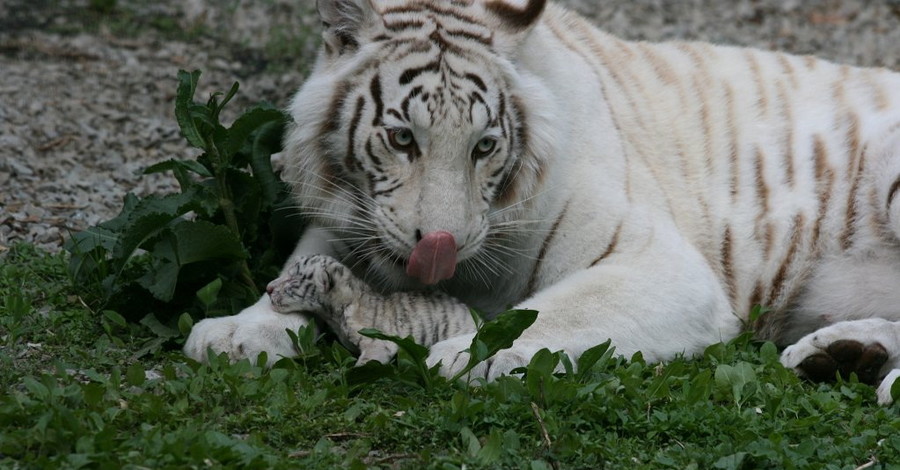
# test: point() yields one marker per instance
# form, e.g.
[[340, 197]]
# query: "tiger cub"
[[509, 153], [321, 286]]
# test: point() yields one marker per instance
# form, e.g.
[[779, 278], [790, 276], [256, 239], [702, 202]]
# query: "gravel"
[[86, 98]]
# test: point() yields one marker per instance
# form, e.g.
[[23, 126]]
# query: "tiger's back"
[[771, 164]]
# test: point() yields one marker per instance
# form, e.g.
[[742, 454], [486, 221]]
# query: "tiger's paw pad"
[[865, 347], [845, 357]]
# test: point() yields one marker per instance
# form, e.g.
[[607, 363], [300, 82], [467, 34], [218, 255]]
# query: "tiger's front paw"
[[255, 330], [454, 358]]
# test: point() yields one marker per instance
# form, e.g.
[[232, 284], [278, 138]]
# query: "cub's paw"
[[375, 350], [866, 347], [453, 358], [245, 335]]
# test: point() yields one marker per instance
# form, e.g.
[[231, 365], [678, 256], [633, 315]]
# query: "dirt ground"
[[87, 87]]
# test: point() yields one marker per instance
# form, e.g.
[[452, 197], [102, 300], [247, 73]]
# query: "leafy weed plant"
[[209, 248]]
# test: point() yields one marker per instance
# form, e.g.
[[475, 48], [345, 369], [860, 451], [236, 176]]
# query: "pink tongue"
[[433, 259]]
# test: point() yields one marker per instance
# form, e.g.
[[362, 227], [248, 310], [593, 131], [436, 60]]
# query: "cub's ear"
[[514, 20], [343, 21], [324, 281]]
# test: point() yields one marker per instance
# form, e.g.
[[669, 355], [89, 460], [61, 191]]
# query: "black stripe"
[[502, 115], [476, 97], [610, 248], [410, 74], [376, 162], [333, 123], [385, 192], [405, 105], [469, 35], [375, 90], [476, 80], [544, 247], [401, 25], [521, 131], [418, 8], [893, 192], [395, 113], [349, 161]]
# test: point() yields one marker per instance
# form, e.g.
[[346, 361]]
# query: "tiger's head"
[[416, 138]]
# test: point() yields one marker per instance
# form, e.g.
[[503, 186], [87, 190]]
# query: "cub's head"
[[417, 138]]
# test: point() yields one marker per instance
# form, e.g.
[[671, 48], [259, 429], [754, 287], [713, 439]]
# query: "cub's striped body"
[[509, 153], [322, 286]]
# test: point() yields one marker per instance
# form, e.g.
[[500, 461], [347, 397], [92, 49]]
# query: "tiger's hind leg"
[[851, 307], [870, 348]]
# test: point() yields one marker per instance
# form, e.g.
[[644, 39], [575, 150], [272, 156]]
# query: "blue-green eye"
[[484, 147], [401, 138]]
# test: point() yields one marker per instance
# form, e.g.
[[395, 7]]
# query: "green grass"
[[82, 389]]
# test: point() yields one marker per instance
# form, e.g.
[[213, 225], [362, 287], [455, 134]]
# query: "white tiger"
[[512, 154]]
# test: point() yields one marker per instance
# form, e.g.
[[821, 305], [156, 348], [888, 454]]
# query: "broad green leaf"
[[209, 293], [497, 334], [731, 462], [187, 86], [141, 230], [178, 165], [134, 375], [266, 142], [895, 390], [304, 340], [199, 240], [539, 375], [597, 355], [185, 323], [733, 378], [114, 317], [228, 96], [161, 279], [162, 331], [470, 441], [492, 449], [185, 243], [93, 393], [149, 217], [36, 388], [370, 372], [248, 123]]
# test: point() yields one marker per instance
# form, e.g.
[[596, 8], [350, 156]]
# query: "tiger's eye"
[[484, 147], [401, 138]]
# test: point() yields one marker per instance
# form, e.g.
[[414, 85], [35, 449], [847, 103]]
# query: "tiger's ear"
[[517, 15], [515, 18], [343, 20]]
